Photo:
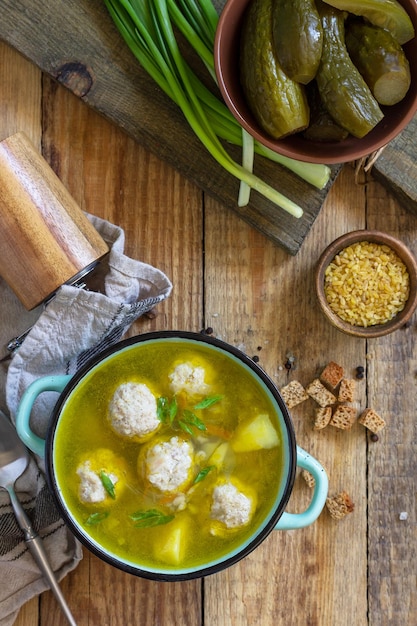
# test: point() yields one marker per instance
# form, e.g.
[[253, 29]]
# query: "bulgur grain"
[[366, 284]]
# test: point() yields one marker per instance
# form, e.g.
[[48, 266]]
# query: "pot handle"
[[46, 383], [291, 521]]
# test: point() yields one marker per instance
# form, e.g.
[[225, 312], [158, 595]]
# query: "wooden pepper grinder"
[[45, 239]]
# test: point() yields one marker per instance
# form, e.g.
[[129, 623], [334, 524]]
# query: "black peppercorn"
[[374, 437], [360, 372]]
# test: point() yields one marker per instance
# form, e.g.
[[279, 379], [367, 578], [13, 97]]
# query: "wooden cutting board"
[[76, 42], [396, 167]]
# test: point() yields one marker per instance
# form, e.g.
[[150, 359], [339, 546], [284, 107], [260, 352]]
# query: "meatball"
[[189, 379], [231, 506], [97, 466], [133, 411], [169, 465], [91, 488]]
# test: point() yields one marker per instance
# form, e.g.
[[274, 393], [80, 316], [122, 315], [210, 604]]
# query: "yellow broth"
[[84, 428]]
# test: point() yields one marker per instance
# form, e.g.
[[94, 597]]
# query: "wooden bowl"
[[403, 253], [226, 56]]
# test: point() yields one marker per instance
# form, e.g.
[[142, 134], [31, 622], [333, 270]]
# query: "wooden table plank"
[[20, 96], [396, 167], [257, 298], [161, 214], [392, 461], [20, 107], [76, 42]]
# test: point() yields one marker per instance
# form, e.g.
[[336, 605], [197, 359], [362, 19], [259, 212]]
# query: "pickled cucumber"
[[381, 61], [278, 103], [322, 126], [342, 89], [298, 37], [388, 14]]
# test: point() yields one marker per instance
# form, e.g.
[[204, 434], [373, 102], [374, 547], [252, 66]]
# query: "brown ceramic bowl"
[[377, 237], [226, 54]]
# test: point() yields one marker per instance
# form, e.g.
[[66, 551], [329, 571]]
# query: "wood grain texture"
[[76, 42], [20, 96], [396, 167], [161, 214], [392, 461], [360, 571], [297, 573]]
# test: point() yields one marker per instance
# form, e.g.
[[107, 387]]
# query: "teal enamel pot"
[[113, 360]]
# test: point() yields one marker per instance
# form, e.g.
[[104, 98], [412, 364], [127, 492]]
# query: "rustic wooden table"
[[226, 275]]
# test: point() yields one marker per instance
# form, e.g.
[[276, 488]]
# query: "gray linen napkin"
[[74, 326]]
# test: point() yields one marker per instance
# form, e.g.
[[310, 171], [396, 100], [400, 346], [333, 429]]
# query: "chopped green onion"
[[166, 411], [108, 484], [190, 418], [149, 518], [185, 427], [169, 413], [203, 473], [161, 405], [248, 154], [96, 518], [173, 410], [207, 402]]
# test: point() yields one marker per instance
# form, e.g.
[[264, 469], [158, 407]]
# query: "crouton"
[[347, 390], [332, 374], [320, 394], [371, 420], [343, 417], [309, 478], [339, 505], [322, 416], [293, 394]]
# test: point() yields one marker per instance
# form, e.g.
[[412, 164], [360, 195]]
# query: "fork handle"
[[36, 548]]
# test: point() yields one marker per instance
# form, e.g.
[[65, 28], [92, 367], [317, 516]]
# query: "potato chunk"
[[221, 455], [171, 544], [255, 434]]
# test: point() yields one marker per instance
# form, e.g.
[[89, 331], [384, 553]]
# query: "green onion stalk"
[[147, 26]]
